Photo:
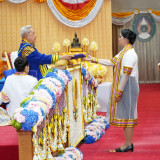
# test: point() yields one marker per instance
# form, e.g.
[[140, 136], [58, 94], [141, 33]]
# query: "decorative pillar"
[[25, 145]]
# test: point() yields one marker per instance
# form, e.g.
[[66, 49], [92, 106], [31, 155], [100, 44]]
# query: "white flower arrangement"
[[85, 42], [97, 70], [56, 47], [95, 129], [93, 46], [66, 42]]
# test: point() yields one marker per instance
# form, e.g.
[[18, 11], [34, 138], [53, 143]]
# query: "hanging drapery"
[[125, 17], [21, 1], [75, 13], [16, 1], [40, 1], [155, 14], [122, 18]]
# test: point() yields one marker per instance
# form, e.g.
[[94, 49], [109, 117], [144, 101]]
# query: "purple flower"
[[83, 72], [68, 74]]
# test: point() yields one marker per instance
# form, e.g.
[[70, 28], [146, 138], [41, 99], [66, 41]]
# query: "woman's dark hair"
[[20, 63], [130, 35]]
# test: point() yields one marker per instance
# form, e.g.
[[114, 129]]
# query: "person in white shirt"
[[17, 86], [125, 88]]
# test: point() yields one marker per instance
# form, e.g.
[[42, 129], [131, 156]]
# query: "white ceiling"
[[130, 5]]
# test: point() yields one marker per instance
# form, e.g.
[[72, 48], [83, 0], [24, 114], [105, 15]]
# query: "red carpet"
[[146, 138], [8, 143]]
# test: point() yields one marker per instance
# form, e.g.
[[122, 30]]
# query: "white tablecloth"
[[103, 97]]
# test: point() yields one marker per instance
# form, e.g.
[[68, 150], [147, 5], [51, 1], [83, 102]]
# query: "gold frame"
[[8, 62]]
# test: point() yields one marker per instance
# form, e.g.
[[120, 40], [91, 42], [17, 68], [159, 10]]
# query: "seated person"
[[17, 86]]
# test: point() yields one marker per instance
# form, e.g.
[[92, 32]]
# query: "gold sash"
[[116, 80]]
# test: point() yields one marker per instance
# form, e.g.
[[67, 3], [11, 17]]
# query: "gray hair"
[[25, 29]]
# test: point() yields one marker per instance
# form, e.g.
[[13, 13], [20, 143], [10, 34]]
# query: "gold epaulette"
[[27, 51]]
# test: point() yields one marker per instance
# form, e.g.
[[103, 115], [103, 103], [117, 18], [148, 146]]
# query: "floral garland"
[[70, 153], [95, 130], [37, 105], [88, 77], [89, 96]]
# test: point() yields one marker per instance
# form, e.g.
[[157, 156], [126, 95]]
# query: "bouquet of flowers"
[[66, 42], [85, 42], [97, 70], [56, 47], [93, 46]]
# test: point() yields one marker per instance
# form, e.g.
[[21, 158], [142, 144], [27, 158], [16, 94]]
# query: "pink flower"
[[19, 118], [87, 76], [19, 109], [62, 75]]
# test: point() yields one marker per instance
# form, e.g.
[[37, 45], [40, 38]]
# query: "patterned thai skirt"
[[125, 111]]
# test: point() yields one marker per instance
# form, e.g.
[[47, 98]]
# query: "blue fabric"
[[2, 80], [76, 56], [35, 58], [9, 72], [33, 73]]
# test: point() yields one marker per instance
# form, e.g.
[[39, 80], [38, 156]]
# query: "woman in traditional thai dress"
[[125, 88], [16, 87]]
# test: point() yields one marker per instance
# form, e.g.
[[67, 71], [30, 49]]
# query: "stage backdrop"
[[49, 30]]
